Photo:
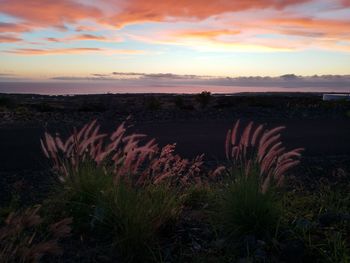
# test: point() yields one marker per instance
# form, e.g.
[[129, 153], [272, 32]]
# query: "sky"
[[45, 39]]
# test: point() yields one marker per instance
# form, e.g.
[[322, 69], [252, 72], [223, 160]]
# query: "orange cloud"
[[52, 39], [134, 11], [311, 27], [257, 17], [206, 33], [46, 13]]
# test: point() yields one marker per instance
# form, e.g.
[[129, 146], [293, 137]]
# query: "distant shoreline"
[[286, 93], [56, 88]]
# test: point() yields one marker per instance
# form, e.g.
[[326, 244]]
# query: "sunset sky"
[[44, 39]]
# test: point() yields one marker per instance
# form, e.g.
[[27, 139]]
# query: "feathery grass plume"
[[128, 156], [262, 149], [20, 240], [120, 186]]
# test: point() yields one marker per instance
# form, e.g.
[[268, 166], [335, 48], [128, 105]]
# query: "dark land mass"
[[322, 128], [198, 124]]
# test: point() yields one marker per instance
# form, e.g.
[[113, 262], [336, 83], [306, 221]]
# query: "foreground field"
[[169, 208]]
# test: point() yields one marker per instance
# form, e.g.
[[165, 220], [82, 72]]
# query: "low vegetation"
[[129, 200], [203, 98], [25, 238]]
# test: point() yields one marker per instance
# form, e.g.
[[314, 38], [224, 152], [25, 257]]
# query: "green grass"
[[133, 224], [132, 219], [245, 210], [318, 218]]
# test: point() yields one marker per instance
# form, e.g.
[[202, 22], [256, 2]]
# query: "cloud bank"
[[169, 79]]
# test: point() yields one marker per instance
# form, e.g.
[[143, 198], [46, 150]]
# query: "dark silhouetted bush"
[[203, 98], [153, 103], [7, 102]]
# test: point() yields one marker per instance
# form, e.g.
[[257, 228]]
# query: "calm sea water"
[[66, 88]]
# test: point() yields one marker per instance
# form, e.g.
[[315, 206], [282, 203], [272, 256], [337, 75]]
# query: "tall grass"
[[22, 238], [257, 164], [128, 157], [121, 187], [258, 150]]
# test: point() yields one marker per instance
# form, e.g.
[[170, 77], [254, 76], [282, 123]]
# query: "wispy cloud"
[[156, 75], [206, 34], [84, 37], [33, 51], [7, 38], [89, 37], [13, 27]]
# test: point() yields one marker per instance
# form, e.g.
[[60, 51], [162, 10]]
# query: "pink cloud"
[[89, 37], [209, 34], [13, 27], [64, 51], [9, 39], [83, 37]]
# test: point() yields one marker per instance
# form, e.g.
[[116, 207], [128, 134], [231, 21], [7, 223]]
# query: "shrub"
[[23, 111], [179, 102], [22, 241], [203, 98], [7, 102], [44, 107], [182, 105], [92, 107], [153, 103]]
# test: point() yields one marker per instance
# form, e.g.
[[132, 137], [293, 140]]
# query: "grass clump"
[[122, 190], [140, 216], [129, 218], [25, 237], [245, 210], [257, 164]]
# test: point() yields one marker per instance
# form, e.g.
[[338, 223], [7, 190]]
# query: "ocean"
[[71, 88]]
